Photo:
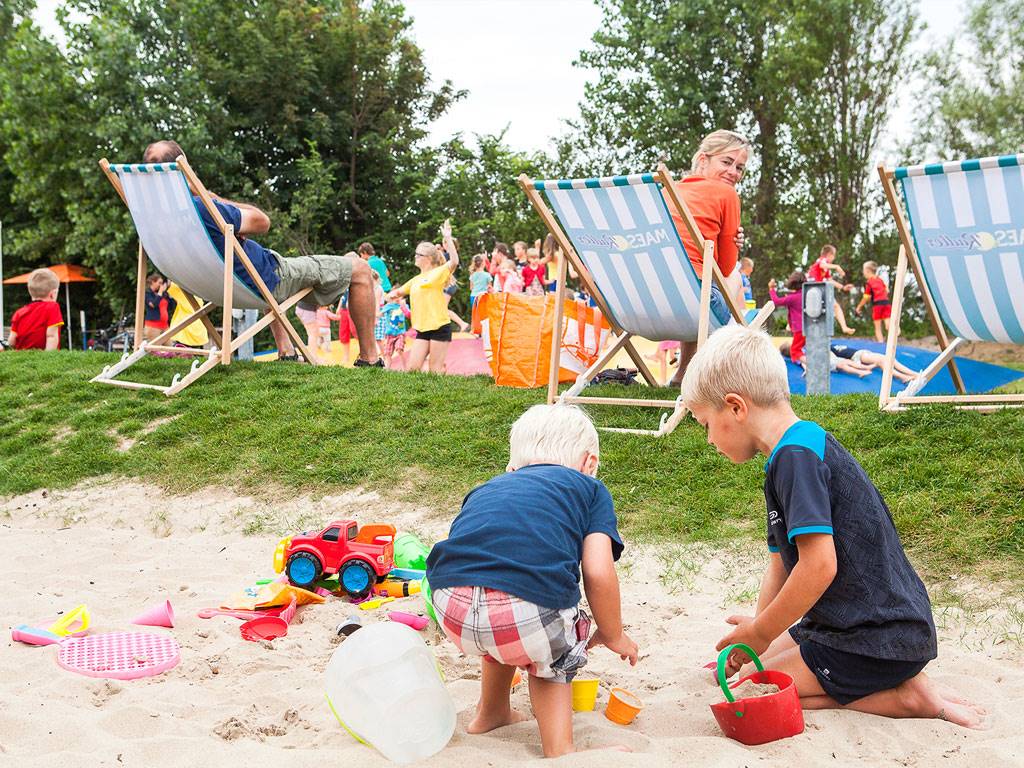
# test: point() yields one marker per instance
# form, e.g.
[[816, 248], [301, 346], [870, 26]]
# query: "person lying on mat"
[[329, 276], [709, 191], [841, 609]]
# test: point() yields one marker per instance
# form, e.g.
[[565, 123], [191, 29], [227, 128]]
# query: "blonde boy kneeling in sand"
[[506, 580], [841, 609]]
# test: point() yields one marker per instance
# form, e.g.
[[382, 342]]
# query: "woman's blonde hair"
[[717, 142], [437, 259]]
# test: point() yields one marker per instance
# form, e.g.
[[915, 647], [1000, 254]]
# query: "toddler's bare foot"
[[967, 716], [488, 721], [922, 699], [953, 697]]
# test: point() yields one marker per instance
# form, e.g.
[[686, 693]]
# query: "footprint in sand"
[[101, 692]]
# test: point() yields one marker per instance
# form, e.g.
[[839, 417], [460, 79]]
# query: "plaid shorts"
[[550, 643]]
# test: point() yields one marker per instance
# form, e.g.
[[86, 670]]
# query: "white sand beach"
[[121, 547]]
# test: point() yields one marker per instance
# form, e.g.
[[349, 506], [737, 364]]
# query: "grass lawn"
[[953, 480]]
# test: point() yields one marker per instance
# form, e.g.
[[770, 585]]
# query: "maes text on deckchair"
[[618, 235]]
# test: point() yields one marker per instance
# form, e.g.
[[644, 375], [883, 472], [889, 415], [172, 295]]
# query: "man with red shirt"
[[877, 292], [37, 324]]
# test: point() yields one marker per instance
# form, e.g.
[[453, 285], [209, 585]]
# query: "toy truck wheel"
[[303, 569], [357, 578]]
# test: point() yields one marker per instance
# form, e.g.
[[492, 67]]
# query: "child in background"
[[660, 356], [877, 292], [509, 278], [821, 271], [37, 324], [498, 255], [479, 279], [393, 317], [533, 275], [841, 609], [379, 300], [159, 307], [793, 302], [874, 360], [323, 322], [519, 253], [506, 580], [310, 321], [346, 329], [746, 270]]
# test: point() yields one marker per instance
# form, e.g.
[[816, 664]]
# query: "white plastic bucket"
[[384, 686]]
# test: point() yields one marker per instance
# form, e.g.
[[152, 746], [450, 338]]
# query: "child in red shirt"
[[37, 324], [534, 278], [821, 271], [878, 293]]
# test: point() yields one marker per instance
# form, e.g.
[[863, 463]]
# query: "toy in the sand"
[[349, 625], [360, 556], [623, 706], [409, 619], [428, 606], [158, 615], [74, 623], [268, 627], [764, 716], [584, 694], [120, 655], [396, 588], [410, 552], [377, 602], [383, 671]]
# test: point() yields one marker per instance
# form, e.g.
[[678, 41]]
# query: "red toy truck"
[[360, 557]]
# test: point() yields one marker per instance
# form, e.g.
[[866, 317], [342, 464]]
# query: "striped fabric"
[[621, 228], [967, 220], [174, 236]]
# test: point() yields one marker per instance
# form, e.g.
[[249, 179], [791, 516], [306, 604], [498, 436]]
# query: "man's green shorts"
[[328, 276]]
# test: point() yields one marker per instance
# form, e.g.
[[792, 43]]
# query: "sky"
[[515, 57]]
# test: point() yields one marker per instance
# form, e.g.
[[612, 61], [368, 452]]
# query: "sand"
[[121, 547]]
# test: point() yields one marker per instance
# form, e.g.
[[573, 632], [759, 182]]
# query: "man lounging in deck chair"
[[329, 276]]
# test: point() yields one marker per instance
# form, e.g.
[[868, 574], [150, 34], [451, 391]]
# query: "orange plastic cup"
[[584, 694], [622, 707]]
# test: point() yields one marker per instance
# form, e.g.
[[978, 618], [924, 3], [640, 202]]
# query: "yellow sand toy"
[[74, 622]]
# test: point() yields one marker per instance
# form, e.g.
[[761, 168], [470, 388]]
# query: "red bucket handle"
[[721, 669]]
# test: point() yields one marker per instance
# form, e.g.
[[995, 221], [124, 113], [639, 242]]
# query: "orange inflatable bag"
[[518, 329]]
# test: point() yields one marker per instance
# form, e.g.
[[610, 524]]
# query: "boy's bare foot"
[[922, 699], [484, 722], [955, 698]]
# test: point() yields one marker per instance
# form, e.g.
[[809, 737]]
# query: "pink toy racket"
[[120, 655]]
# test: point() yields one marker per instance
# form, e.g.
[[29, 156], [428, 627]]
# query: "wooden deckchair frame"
[[225, 344], [908, 255], [623, 339]]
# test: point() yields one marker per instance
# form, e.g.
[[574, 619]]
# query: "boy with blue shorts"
[[841, 609], [506, 580]]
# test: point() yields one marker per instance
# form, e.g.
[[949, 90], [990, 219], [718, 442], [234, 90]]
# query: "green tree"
[[975, 86], [316, 111]]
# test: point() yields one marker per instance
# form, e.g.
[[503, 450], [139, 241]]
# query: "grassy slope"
[[954, 480]]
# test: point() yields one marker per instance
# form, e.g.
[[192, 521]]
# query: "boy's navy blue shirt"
[[262, 258], [522, 533], [877, 605]]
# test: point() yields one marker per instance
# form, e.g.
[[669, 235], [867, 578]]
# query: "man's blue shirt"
[[262, 259], [522, 533]]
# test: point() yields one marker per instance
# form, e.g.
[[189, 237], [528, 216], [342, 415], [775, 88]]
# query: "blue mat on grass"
[[978, 377]]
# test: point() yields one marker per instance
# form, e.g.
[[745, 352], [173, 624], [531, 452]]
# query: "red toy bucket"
[[760, 719]]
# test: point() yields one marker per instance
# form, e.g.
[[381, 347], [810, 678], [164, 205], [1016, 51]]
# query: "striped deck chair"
[[961, 228], [173, 236], [622, 242]]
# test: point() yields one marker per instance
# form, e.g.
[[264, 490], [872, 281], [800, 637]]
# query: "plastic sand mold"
[[120, 655], [269, 595]]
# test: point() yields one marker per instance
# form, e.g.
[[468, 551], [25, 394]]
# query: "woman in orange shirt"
[[710, 194]]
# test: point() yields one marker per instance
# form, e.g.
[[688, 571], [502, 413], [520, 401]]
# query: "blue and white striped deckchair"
[[962, 231], [961, 227], [172, 235], [618, 233]]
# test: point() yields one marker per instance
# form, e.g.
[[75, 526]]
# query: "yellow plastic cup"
[[622, 707], [584, 694]]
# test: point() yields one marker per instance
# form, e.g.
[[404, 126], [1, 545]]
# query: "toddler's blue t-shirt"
[[522, 533]]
